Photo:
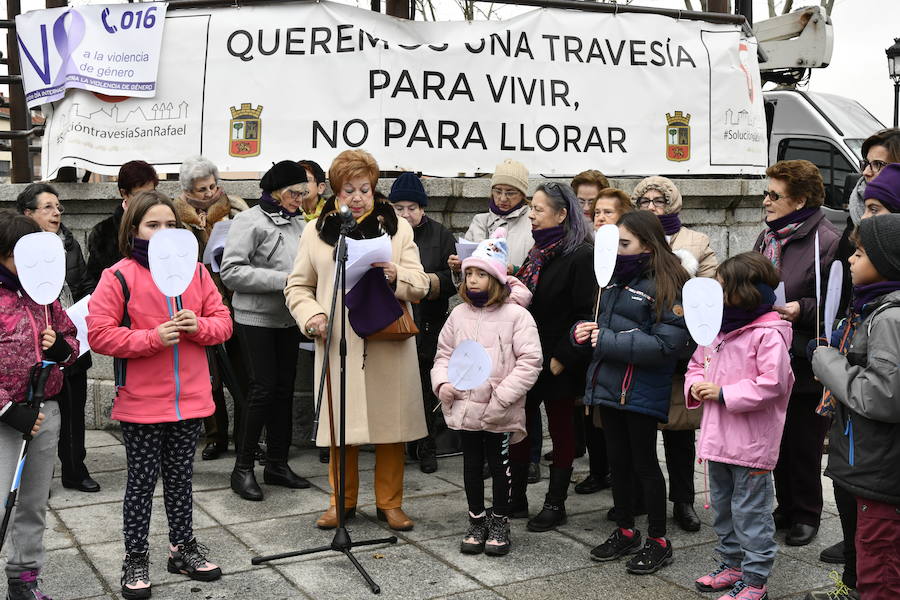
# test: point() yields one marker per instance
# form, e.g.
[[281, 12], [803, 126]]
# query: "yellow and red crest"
[[245, 131], [678, 136]]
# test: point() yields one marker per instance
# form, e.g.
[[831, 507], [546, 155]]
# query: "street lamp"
[[893, 56]]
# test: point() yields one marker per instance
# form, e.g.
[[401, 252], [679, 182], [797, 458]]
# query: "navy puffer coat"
[[636, 355]]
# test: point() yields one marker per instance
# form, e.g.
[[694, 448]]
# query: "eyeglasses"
[[508, 194], [643, 202], [297, 194], [49, 208], [775, 196], [876, 165]]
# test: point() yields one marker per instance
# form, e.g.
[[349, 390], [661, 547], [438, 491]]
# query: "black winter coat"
[[103, 248], [636, 355], [75, 267], [436, 244], [565, 294]]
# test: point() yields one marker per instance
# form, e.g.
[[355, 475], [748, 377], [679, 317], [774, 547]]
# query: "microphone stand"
[[341, 541]]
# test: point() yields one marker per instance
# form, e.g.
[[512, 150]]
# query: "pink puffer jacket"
[[509, 334], [21, 323], [753, 367]]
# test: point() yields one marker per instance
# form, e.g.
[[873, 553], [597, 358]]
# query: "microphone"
[[348, 223]]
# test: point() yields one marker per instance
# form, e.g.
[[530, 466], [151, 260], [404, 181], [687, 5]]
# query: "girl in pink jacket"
[[493, 314], [743, 380], [162, 387]]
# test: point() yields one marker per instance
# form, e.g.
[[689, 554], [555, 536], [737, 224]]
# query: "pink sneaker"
[[722, 578], [190, 559], [742, 591]]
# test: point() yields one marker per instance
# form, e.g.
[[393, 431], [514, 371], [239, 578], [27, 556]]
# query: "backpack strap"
[[126, 318], [120, 365]]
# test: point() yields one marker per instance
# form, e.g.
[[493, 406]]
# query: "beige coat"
[[384, 392], [697, 244]]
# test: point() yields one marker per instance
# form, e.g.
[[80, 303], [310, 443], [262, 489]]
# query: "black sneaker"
[[136, 575], [833, 554], [476, 534], [190, 559], [497, 543], [25, 587], [616, 546], [651, 558]]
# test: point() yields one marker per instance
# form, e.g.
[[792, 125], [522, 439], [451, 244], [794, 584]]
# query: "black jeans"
[[631, 448], [216, 425], [846, 505], [680, 452], [271, 366], [71, 427], [478, 446]]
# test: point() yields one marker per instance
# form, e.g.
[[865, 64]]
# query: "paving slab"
[[103, 522], [97, 438], [593, 529], [262, 584], [403, 572], [226, 507], [68, 574], [603, 581], [298, 532], [789, 575], [532, 555], [415, 483], [226, 550]]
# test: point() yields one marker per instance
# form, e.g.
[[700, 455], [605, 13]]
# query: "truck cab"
[[825, 129]]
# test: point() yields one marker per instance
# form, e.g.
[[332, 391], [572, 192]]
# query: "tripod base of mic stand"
[[340, 543]]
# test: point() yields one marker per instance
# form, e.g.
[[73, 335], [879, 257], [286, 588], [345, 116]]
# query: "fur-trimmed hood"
[[688, 261], [383, 219]]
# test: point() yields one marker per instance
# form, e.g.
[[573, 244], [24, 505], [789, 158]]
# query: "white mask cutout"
[[703, 305], [173, 260], [41, 264]]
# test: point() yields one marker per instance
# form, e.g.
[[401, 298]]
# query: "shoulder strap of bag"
[[120, 365], [126, 319]]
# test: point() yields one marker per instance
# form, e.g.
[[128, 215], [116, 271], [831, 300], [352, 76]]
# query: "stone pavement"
[[84, 542]]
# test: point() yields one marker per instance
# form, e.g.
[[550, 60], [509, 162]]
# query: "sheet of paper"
[[465, 248], [77, 313], [362, 253], [780, 299], [469, 365], [216, 244]]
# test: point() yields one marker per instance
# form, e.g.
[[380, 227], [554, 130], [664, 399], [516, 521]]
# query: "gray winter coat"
[[259, 256], [865, 433]]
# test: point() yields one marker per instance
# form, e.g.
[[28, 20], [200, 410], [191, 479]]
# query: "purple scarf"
[[735, 317], [671, 224], [478, 299], [9, 280], [502, 213], [629, 266], [866, 294], [780, 230], [547, 245], [271, 205], [140, 251]]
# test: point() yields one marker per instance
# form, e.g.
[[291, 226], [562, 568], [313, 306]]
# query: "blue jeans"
[[742, 499]]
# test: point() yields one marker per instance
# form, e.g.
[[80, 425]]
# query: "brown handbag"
[[401, 329]]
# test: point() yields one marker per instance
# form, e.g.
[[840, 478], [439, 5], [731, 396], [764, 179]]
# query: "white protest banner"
[[560, 90], [111, 49]]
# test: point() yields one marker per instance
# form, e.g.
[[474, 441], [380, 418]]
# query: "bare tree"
[[787, 6]]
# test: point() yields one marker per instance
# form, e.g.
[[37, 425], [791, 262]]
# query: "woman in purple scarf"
[[792, 203]]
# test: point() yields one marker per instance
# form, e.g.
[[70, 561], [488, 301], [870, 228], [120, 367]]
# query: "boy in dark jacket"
[[865, 383]]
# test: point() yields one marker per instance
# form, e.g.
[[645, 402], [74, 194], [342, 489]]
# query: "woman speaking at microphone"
[[383, 393]]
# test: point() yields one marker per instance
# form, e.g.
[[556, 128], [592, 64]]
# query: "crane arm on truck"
[[794, 43]]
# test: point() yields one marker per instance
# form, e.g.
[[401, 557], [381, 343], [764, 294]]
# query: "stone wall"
[[728, 210]]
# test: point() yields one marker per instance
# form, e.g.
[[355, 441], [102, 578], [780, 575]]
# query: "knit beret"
[[512, 173], [886, 188], [408, 188], [282, 175]]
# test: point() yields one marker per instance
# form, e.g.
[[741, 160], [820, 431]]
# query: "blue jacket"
[[636, 355]]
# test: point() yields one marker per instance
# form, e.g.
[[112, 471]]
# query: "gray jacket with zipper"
[[865, 431], [259, 256]]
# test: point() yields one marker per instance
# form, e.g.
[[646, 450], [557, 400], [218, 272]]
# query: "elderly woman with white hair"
[[201, 204]]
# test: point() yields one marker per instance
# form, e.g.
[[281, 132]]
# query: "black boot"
[[554, 512], [518, 501], [686, 516], [279, 473], [243, 482], [427, 456]]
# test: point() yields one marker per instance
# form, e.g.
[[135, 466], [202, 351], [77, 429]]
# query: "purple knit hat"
[[886, 188]]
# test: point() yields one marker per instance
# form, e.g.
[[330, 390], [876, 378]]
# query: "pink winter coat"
[[509, 334], [21, 322], [156, 383], [753, 367]]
